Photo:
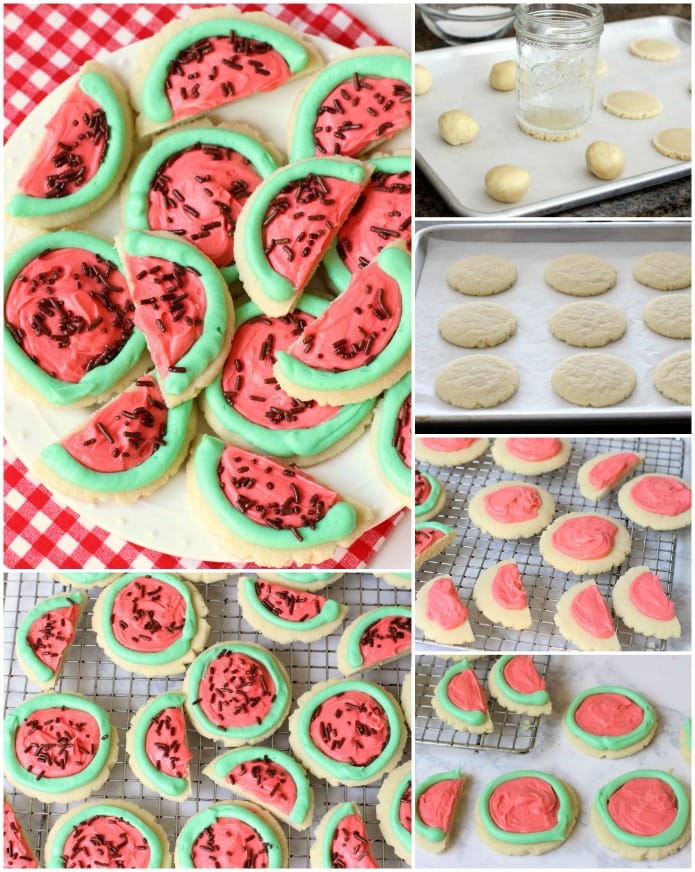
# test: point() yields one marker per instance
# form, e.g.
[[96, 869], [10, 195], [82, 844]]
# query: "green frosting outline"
[[329, 612], [431, 834], [555, 834], [156, 106], [474, 718], [103, 808], [611, 743], [337, 523], [275, 715], [309, 577], [669, 835], [26, 780], [136, 204], [97, 380], [174, 652], [41, 670], [227, 761], [434, 525], [390, 461], [385, 65], [333, 263], [345, 809], [538, 697], [395, 262], [93, 85], [435, 490], [303, 441], [169, 785], [339, 769], [353, 653], [85, 579], [400, 832]]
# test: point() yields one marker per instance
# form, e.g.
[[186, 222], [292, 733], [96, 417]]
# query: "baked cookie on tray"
[[341, 841]]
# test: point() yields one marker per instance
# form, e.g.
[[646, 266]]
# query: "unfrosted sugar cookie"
[[17, 853], [511, 509], [588, 323], [663, 270], [430, 496], [641, 603], [603, 473], [437, 799], [674, 142], [672, 377], [477, 325], [633, 105], [642, 815], [500, 595], [459, 700], [584, 619], [585, 542], [581, 275], [477, 382], [659, 501], [594, 379], [449, 451], [394, 810], [654, 49], [341, 840], [392, 440], [669, 316], [609, 721], [378, 636], [532, 455], [431, 538], [481, 275], [441, 614], [515, 683]]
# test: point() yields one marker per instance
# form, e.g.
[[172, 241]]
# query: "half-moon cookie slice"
[[584, 619], [341, 841], [500, 595], [378, 636], [605, 472], [656, 500], [641, 603], [459, 700], [440, 613], [430, 539], [353, 105], [609, 721], [515, 683], [436, 801], [585, 542], [394, 810], [17, 853], [392, 441], [82, 156], [430, 496]]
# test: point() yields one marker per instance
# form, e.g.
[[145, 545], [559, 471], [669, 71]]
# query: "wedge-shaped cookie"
[[602, 473], [430, 539], [584, 619], [440, 613], [437, 799], [341, 840], [17, 853], [641, 603], [500, 595], [459, 700], [515, 683], [376, 637]]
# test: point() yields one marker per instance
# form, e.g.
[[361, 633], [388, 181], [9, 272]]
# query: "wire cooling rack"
[[512, 732], [472, 551], [89, 671]]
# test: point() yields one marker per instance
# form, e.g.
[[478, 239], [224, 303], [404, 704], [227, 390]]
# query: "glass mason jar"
[[557, 52]]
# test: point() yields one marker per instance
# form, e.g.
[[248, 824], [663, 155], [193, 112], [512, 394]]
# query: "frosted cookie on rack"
[[151, 624], [348, 731], [511, 509], [642, 815], [341, 841], [437, 799], [296, 519], [685, 739], [392, 441], [585, 542], [237, 693], [431, 538], [515, 683], [526, 812], [603, 473], [78, 361], [401, 580], [658, 501], [286, 614], [125, 450], [641, 603], [500, 595], [377, 637], [233, 835], [157, 746], [459, 700], [305, 580], [430, 496], [360, 345], [584, 619], [394, 810], [45, 635], [440, 613], [59, 746], [531, 456], [609, 721], [355, 104], [17, 853], [85, 580], [212, 58], [82, 155], [268, 777], [449, 451], [109, 833]]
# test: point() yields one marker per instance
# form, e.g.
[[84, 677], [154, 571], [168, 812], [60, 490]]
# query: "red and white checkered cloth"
[[45, 45]]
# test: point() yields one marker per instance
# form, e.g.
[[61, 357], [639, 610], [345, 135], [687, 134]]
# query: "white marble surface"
[[665, 680]]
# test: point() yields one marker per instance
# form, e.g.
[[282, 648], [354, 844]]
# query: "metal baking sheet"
[[559, 177], [530, 246]]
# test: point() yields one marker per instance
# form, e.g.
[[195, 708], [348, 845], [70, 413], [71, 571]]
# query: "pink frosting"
[[405, 809], [465, 692], [648, 597], [447, 445], [402, 436], [513, 504], [52, 633], [662, 495], [444, 606], [106, 841], [57, 742], [236, 690], [229, 843], [388, 637], [18, 853], [166, 745], [437, 803], [148, 615], [524, 805], [521, 675], [266, 781], [590, 612], [351, 727], [423, 489], [508, 588], [351, 847], [608, 714], [588, 537], [643, 806], [425, 538], [608, 471], [288, 603], [534, 450]]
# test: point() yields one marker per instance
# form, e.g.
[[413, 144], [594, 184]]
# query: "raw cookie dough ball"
[[669, 316], [654, 49], [457, 127], [477, 325], [663, 270], [634, 105], [605, 160], [507, 183], [601, 67], [423, 80], [481, 275], [594, 379], [503, 76], [478, 381], [675, 142], [672, 377], [581, 275], [588, 324]]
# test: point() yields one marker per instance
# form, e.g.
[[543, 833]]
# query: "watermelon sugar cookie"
[[430, 496], [642, 815], [17, 852], [299, 580], [401, 580], [516, 685], [531, 456], [583, 618], [585, 542], [392, 441], [394, 810], [661, 502], [70, 337], [500, 595], [440, 613], [378, 636], [431, 538], [82, 155], [641, 603], [341, 841], [603, 473], [449, 451], [85, 580], [437, 799], [459, 700], [609, 722], [511, 509]]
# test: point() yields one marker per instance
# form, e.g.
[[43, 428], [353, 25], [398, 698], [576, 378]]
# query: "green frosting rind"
[[208, 816], [41, 670], [208, 345], [338, 814], [96, 86], [400, 832], [384, 65], [26, 780], [224, 764], [155, 105], [98, 380], [196, 671], [434, 525], [175, 651], [669, 835], [474, 718], [169, 785], [329, 612], [353, 653], [539, 697], [555, 834], [398, 473], [85, 579], [611, 743], [137, 203], [337, 523], [337, 768], [308, 577], [84, 813], [431, 501], [303, 441], [396, 263], [431, 834]]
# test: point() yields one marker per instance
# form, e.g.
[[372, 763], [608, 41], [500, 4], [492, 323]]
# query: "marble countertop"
[[665, 680]]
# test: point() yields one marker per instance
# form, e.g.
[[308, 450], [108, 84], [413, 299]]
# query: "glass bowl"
[[459, 23]]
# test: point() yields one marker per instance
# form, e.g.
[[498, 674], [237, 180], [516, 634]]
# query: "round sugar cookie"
[[632, 105], [641, 603], [610, 722], [663, 270], [500, 595], [672, 377], [606, 471], [477, 325], [459, 700], [594, 379], [585, 542], [584, 619], [511, 509], [588, 323], [449, 450], [581, 275], [674, 142], [654, 49], [532, 455], [481, 275], [480, 381], [515, 683], [441, 614], [657, 500], [669, 316], [437, 799]]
